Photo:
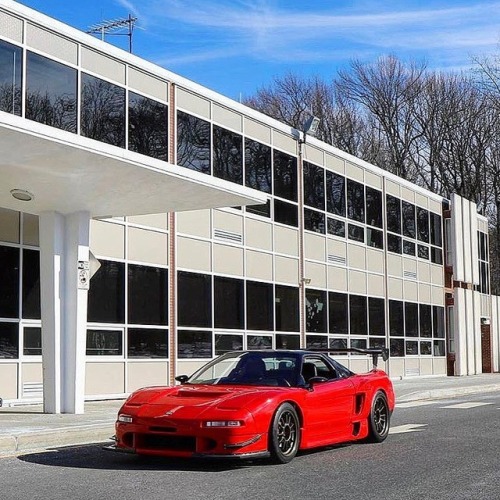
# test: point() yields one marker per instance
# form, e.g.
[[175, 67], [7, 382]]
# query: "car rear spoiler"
[[374, 352]]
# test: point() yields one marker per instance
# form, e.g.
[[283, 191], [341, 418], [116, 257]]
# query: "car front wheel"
[[284, 435], [379, 420]]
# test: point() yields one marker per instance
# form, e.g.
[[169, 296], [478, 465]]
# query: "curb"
[[446, 393], [45, 440]]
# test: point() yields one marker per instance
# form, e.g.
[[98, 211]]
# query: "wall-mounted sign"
[[83, 275]]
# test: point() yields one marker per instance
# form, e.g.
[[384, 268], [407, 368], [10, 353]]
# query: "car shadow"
[[94, 457]]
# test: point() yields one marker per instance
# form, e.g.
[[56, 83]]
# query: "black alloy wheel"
[[379, 420], [284, 435]]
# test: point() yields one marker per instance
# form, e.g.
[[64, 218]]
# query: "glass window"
[[425, 320], [286, 303], [338, 312], [147, 343], [315, 311], [263, 210], [393, 214], [357, 315], [9, 284], [356, 233], [436, 255], [439, 348], [411, 348], [335, 194], [336, 227], [147, 295], [32, 343], [438, 321], [259, 342], [11, 58], [425, 348], [106, 299], [193, 143], [9, 340], [286, 213], [228, 303], [422, 224], [358, 343], [51, 93], [31, 284], [147, 126], [408, 219], [396, 323], [338, 343], [355, 201], [194, 344], [373, 207], [225, 343], [436, 230], [377, 343], [287, 341], [397, 348], [103, 111], [194, 299], [316, 342], [228, 155], [104, 343], [376, 316], [258, 166], [314, 221], [375, 238], [423, 252], [409, 248], [314, 186], [411, 319], [393, 243], [259, 300], [285, 176]]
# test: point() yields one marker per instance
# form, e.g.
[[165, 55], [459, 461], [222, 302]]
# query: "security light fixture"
[[311, 125], [21, 194], [306, 281]]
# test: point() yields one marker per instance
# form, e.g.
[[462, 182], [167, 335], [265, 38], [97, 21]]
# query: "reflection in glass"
[[338, 312], [225, 343], [194, 344], [356, 233], [104, 343], [438, 321], [374, 238], [396, 323], [31, 284], [408, 217], [285, 176], [194, 299], [336, 227], [411, 319], [51, 93], [338, 343], [228, 303], [436, 230], [10, 78], [258, 166], [286, 213], [335, 194], [423, 252], [32, 341], [397, 348], [147, 343], [147, 126], [193, 143], [314, 186], [316, 342], [9, 340], [287, 341], [314, 221], [259, 302], [286, 301], [394, 243], [423, 224], [425, 348], [358, 315], [409, 248], [411, 348], [315, 311], [393, 214], [228, 155], [425, 320], [373, 207], [355, 201], [103, 111], [259, 342]]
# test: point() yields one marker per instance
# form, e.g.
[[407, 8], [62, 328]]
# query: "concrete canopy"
[[67, 173]]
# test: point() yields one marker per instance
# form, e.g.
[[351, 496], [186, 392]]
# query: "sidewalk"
[[26, 429]]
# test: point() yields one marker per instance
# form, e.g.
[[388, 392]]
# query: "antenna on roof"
[[115, 27]]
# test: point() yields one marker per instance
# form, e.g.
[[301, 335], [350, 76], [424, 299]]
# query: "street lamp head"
[[311, 125]]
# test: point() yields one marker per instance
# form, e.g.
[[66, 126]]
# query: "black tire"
[[379, 419], [284, 434]]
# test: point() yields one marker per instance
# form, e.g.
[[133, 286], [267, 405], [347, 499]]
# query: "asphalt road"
[[439, 450]]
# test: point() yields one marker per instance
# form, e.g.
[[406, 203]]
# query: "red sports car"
[[250, 404]]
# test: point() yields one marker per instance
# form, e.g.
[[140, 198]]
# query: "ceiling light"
[[21, 194]]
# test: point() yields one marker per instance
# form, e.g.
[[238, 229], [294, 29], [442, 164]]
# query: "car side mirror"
[[182, 379], [316, 380]]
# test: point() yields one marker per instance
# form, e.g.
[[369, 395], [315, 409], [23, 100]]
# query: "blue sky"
[[237, 46]]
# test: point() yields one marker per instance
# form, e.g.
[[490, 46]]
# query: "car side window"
[[322, 368]]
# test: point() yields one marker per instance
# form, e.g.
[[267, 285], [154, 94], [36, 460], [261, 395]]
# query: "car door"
[[329, 404]]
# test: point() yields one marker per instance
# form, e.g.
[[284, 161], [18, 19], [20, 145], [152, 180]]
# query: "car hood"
[[192, 401]]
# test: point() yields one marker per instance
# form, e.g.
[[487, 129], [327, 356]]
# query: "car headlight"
[[223, 423], [127, 419]]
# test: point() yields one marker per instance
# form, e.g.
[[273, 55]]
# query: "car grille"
[[159, 442]]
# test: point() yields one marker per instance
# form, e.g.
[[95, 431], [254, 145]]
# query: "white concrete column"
[[64, 243]]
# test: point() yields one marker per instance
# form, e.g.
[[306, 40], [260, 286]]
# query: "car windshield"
[[250, 368]]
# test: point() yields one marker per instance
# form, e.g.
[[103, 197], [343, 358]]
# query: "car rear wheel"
[[284, 434], [379, 420]]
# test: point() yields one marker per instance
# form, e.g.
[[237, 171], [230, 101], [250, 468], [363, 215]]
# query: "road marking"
[[414, 404], [401, 429], [465, 406]]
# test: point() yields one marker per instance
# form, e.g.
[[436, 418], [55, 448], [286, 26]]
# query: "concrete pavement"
[[26, 429]]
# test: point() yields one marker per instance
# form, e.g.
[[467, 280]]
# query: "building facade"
[[338, 253]]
